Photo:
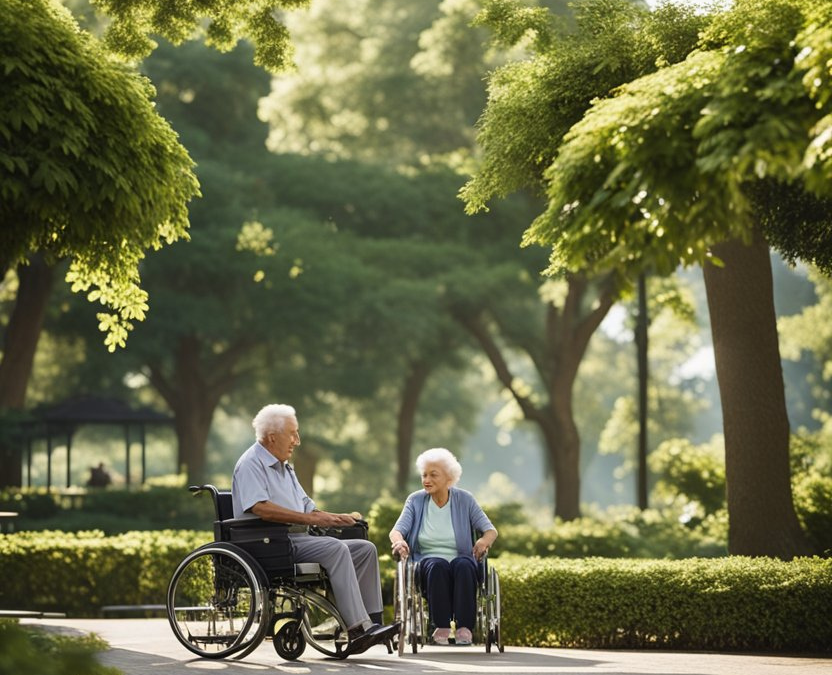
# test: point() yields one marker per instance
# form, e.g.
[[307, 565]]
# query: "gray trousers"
[[352, 567]]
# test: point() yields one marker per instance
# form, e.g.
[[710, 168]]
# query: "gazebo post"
[[29, 461], [48, 458], [127, 449], [144, 463], [68, 459]]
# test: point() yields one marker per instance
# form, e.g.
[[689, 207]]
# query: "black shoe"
[[360, 640], [386, 632]]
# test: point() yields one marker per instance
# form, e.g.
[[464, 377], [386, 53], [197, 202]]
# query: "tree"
[[88, 171], [555, 350], [531, 104], [706, 161]]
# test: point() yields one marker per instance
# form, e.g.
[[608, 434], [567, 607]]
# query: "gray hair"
[[271, 418], [444, 458]]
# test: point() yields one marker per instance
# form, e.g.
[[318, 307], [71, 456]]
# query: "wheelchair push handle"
[[196, 489]]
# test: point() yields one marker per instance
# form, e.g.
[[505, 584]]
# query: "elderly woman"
[[435, 527]]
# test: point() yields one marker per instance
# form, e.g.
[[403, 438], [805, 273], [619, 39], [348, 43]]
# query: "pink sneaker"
[[463, 636], [441, 635]]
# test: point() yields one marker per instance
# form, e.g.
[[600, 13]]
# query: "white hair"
[[444, 458], [271, 418]]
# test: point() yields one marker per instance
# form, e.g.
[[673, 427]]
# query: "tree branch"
[[489, 346]]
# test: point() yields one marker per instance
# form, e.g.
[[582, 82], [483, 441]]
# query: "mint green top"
[[437, 538]]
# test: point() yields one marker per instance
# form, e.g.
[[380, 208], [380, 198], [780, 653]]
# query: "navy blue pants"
[[451, 590]]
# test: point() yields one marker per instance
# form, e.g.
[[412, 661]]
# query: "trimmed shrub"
[[112, 510], [733, 603], [78, 573]]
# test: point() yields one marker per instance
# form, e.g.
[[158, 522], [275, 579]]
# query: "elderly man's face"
[[282, 443]]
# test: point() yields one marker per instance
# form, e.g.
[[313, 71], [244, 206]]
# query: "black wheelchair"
[[227, 596], [410, 607]]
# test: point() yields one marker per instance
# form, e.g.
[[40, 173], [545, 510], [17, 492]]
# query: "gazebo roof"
[[89, 409]]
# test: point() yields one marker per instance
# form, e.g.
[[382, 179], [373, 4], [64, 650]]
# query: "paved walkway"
[[148, 647]]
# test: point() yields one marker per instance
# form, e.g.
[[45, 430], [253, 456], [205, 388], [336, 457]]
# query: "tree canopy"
[[701, 151], [221, 23], [88, 169], [679, 166]]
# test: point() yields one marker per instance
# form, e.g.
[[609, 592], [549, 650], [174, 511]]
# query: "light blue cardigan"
[[466, 515]]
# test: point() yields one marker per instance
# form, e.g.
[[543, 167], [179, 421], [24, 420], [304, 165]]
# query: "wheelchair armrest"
[[250, 522], [360, 530]]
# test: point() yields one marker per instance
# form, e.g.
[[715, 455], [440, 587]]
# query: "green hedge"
[[110, 510], [715, 604], [78, 573], [733, 603]]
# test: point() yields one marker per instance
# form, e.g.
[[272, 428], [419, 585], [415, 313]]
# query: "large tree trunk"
[[761, 514], [193, 424], [305, 461], [19, 346], [563, 446], [193, 393], [411, 392]]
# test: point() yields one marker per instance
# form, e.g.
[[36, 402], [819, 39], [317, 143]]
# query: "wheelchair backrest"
[[224, 507]]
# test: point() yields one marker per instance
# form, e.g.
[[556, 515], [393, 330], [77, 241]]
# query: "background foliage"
[[35, 652]]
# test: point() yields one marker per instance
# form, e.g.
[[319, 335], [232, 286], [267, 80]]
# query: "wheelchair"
[[410, 607], [227, 596]]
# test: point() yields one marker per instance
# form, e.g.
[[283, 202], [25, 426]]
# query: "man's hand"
[[326, 519]]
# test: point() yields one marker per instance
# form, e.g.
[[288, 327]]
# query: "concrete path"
[[148, 647]]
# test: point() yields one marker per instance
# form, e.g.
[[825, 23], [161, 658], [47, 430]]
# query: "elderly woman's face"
[[435, 479]]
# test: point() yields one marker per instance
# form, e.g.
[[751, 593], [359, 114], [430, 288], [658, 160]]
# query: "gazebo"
[[61, 420]]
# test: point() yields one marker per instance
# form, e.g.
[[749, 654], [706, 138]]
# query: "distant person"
[[264, 485], [435, 527], [99, 476]]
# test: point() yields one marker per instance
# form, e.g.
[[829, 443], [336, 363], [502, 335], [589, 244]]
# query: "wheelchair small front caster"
[[289, 642]]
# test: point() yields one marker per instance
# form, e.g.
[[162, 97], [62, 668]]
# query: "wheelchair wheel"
[[492, 612], [217, 602], [400, 606], [289, 642], [415, 609], [323, 627]]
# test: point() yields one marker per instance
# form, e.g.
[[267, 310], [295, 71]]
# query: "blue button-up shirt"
[[260, 476]]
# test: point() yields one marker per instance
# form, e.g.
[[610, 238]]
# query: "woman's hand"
[[401, 549], [481, 547]]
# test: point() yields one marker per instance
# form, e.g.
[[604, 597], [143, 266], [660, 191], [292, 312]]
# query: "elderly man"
[[265, 486]]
